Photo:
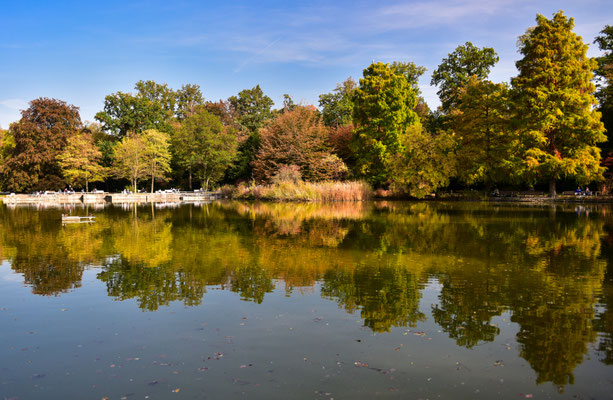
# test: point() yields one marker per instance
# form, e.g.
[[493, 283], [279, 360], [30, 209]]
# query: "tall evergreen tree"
[[555, 98], [481, 125], [604, 78], [383, 110]]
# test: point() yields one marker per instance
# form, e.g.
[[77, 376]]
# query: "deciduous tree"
[[454, 71], [39, 136], [410, 71], [424, 163], [298, 138], [251, 108], [188, 99], [559, 125], [158, 93], [156, 155], [337, 106], [80, 161], [130, 162], [125, 112], [205, 147]]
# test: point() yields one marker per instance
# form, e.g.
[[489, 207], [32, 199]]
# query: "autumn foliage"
[[297, 137], [39, 137]]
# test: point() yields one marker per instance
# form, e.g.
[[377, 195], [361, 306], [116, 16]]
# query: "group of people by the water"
[[586, 192]]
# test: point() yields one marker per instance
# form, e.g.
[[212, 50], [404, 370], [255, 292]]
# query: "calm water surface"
[[307, 301]]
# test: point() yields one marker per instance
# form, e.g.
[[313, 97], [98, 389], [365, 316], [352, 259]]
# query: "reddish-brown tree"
[[296, 137], [340, 139], [40, 135]]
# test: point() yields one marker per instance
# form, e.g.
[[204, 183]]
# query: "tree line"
[[547, 125]]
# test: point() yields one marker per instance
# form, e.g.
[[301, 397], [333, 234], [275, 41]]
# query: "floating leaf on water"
[[360, 364], [152, 383], [177, 390]]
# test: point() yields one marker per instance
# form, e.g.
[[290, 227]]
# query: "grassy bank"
[[302, 191]]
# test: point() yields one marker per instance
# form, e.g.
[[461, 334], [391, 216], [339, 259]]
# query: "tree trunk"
[[86, 186], [190, 179], [552, 187], [152, 180]]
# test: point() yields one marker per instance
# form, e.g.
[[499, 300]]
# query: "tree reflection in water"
[[546, 266]]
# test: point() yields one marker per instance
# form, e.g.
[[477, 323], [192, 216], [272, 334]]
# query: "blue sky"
[[80, 51]]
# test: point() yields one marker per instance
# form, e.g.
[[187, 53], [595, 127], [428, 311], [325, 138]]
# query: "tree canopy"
[[125, 113], [80, 161], [382, 111], [481, 122], [39, 137], [299, 138], [205, 147], [130, 162], [156, 154], [604, 77], [555, 104], [454, 71], [337, 106]]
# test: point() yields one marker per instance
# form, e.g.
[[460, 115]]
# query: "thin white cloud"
[[415, 15], [14, 104], [10, 111]]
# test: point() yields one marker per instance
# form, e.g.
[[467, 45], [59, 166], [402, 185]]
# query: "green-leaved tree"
[[481, 122], [204, 147], [560, 127], [130, 162], [454, 71], [156, 154], [382, 112], [337, 106]]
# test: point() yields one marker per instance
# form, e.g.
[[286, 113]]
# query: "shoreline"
[[108, 198]]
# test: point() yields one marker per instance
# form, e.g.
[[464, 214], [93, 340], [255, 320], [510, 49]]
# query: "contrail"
[[249, 59]]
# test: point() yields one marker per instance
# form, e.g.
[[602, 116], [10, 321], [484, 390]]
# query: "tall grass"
[[305, 191]]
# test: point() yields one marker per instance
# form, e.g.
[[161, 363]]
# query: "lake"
[[307, 301]]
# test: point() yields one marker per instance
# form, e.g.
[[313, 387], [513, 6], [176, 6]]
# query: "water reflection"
[[546, 266]]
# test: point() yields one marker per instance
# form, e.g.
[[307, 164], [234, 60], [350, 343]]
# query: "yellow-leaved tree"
[[80, 161], [559, 126]]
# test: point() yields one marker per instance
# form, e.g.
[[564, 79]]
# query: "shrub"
[[287, 173], [309, 191]]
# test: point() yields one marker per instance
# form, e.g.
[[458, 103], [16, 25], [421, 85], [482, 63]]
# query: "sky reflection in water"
[[333, 301]]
